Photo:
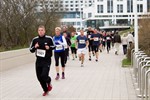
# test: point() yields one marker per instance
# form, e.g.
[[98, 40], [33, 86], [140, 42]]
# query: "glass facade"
[[71, 15]]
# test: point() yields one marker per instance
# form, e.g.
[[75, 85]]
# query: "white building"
[[116, 12], [95, 13]]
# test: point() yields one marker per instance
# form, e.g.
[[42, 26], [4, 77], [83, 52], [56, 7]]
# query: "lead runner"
[[43, 45]]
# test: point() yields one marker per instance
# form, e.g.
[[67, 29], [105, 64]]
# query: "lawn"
[[126, 62]]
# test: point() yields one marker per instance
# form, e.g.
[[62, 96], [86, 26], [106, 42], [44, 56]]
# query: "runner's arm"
[[32, 46]]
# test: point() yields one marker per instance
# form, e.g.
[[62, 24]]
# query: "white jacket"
[[130, 38], [124, 40]]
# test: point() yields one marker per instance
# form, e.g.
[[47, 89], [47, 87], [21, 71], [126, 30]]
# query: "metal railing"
[[140, 63]]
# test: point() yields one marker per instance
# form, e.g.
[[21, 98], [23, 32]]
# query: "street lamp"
[[136, 25]]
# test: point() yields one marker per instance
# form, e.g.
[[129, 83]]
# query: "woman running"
[[108, 40], [59, 52], [73, 45], [67, 46]]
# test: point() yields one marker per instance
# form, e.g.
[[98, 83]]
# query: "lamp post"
[[135, 25]]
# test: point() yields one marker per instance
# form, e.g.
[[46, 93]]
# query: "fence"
[[141, 73]]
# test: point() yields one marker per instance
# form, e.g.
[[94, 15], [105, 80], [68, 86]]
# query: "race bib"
[[59, 47], [72, 41], [96, 39], [89, 36], [108, 38], [82, 41], [40, 53]]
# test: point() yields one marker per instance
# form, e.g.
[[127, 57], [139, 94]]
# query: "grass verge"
[[126, 62]]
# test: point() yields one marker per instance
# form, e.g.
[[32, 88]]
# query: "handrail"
[[146, 84]]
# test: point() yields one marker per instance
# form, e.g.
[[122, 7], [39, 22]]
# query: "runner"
[[59, 52], [108, 40], [90, 48], [73, 46], [103, 40], [64, 30], [82, 44], [43, 45], [67, 46], [112, 38], [96, 42]]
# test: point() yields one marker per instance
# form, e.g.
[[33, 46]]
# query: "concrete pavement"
[[103, 80]]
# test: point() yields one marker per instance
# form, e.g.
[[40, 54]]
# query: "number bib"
[[59, 47], [96, 39], [89, 36], [82, 41], [72, 41], [40, 53], [108, 38]]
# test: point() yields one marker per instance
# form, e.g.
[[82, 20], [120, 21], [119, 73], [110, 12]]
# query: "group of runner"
[[43, 46]]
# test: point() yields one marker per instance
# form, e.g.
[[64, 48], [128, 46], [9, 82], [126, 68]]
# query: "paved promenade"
[[103, 80]]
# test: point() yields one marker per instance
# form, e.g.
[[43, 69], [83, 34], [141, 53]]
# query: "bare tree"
[[19, 20], [144, 33]]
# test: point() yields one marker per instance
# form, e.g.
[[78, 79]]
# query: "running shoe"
[[90, 59], [49, 87], [82, 65], [45, 93], [100, 50], [57, 77], [63, 76], [76, 56]]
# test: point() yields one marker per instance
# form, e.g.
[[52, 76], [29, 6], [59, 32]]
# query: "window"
[[66, 1], [129, 6], [100, 9], [76, 5], [140, 8], [77, 9], [120, 8], [110, 6], [89, 15]]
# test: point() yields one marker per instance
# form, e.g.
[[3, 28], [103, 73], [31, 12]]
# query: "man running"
[[90, 48], [43, 45], [82, 44], [96, 42]]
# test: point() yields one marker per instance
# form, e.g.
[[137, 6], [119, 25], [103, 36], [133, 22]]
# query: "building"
[[98, 13], [114, 12]]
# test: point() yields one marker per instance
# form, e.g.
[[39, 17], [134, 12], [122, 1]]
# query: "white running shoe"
[[82, 65]]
